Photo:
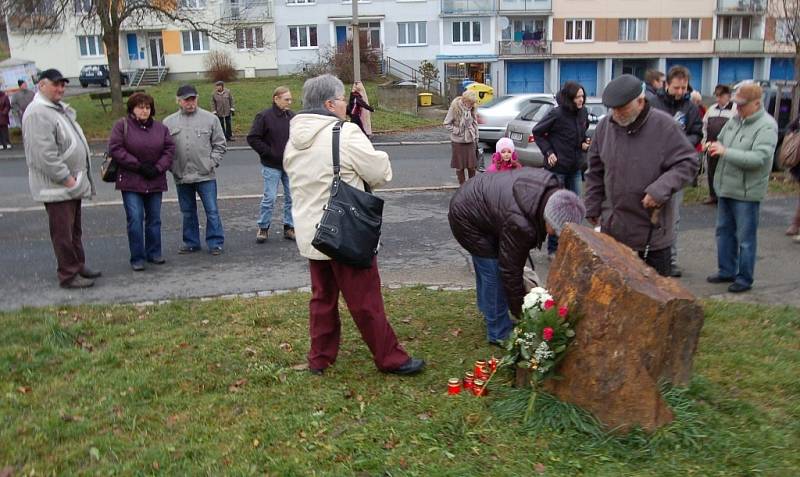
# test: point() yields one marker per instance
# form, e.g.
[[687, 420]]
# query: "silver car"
[[520, 129], [495, 115]]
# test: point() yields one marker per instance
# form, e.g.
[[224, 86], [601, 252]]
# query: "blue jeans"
[[271, 179], [492, 298], [737, 223], [143, 212], [207, 191], [570, 182]]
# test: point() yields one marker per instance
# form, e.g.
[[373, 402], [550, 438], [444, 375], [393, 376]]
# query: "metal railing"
[[525, 5], [741, 45], [468, 6], [524, 48], [403, 71]]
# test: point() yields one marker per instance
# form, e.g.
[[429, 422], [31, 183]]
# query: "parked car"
[[783, 112], [520, 129], [493, 117], [99, 75]]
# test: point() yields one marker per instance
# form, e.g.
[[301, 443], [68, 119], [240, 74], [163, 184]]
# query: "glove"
[[149, 171]]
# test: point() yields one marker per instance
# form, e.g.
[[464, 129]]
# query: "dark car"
[[99, 75], [780, 110]]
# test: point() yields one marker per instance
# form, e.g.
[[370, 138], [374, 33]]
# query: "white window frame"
[[308, 36], [91, 41], [640, 25], [730, 20], [583, 22], [471, 24], [300, 3], [416, 27], [690, 21], [203, 40], [251, 32]]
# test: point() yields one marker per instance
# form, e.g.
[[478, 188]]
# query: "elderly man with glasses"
[[745, 148]]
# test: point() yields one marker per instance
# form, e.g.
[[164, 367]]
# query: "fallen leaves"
[[425, 416], [237, 386], [24, 389], [287, 347]]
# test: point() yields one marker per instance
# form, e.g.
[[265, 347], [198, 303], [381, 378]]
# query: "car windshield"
[[535, 112], [494, 101]]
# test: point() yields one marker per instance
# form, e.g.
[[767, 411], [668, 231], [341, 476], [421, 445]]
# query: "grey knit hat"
[[563, 207]]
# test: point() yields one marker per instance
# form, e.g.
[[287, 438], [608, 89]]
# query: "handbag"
[[350, 229], [109, 169], [789, 155]]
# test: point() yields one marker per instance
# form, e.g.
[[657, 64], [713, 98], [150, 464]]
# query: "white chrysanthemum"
[[542, 352]]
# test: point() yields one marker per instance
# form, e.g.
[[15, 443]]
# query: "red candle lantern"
[[493, 364], [479, 387], [469, 377], [479, 369], [453, 386]]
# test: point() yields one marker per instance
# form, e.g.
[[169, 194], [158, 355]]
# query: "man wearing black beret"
[[638, 160]]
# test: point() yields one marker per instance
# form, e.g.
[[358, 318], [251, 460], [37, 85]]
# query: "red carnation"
[[547, 333], [549, 304], [562, 312]]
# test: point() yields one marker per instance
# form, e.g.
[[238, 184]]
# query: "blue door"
[[781, 69], [582, 71], [733, 70], [695, 67], [133, 47], [341, 36], [525, 77]]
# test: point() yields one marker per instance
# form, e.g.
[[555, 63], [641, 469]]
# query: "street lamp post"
[[356, 52]]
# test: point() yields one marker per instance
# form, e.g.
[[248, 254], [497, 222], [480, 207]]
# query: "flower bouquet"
[[539, 341]]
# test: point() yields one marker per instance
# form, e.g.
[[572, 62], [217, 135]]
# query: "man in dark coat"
[[638, 161], [499, 218], [268, 137]]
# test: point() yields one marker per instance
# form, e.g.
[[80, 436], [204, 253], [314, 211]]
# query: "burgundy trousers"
[[361, 289], [65, 234]]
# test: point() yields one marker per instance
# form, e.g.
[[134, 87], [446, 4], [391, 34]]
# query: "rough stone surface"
[[636, 330]]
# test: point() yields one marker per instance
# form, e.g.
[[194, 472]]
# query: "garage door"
[[781, 69], [733, 70], [525, 77], [695, 67], [582, 71]]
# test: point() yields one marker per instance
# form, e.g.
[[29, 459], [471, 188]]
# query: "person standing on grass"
[[222, 105], [200, 146], [715, 118], [268, 136], [462, 122], [745, 147], [59, 174], [20, 101], [5, 120]]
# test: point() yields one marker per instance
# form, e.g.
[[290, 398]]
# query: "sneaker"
[[718, 279], [262, 235], [157, 260], [288, 233], [216, 251], [412, 366], [184, 249], [738, 288], [137, 267], [676, 271], [78, 282]]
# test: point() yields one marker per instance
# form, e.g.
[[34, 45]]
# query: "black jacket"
[[502, 216], [269, 134], [561, 132], [683, 111]]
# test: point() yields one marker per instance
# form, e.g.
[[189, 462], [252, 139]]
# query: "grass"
[[210, 388], [250, 97], [779, 185]]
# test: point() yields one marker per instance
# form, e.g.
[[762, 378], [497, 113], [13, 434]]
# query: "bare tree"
[[787, 17], [108, 18]]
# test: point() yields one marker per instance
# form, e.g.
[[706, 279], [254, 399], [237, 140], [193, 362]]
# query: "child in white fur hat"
[[505, 157]]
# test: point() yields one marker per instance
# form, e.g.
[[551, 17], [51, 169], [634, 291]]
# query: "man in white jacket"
[[308, 161]]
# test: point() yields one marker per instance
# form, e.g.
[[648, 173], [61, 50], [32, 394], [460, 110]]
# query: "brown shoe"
[[288, 233], [262, 235], [709, 201], [78, 282]]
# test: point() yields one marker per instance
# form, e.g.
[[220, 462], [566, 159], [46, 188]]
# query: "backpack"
[[789, 155]]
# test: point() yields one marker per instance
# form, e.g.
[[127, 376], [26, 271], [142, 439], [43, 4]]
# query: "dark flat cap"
[[622, 90], [53, 75], [186, 91], [219, 83]]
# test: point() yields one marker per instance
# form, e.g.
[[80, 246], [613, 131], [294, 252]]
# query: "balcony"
[[525, 5], [743, 45], [245, 11], [524, 48], [460, 7], [744, 7]]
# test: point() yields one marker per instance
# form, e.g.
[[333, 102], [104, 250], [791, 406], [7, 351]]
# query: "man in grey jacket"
[[638, 160], [59, 174], [222, 104], [20, 101], [200, 145]]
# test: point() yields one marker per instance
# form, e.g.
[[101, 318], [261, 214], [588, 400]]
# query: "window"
[[685, 29], [91, 45], [524, 29], [370, 34], [733, 27], [301, 2], [193, 4], [632, 29], [409, 34], [303, 36], [783, 31], [83, 6], [579, 30], [249, 38], [466, 32], [194, 41]]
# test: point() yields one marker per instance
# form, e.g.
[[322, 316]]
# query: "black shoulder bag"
[[350, 228], [109, 169]]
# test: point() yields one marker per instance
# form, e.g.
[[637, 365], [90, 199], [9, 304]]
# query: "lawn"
[[213, 388], [779, 185], [250, 97]]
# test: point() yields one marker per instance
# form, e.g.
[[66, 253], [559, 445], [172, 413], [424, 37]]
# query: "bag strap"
[[337, 128]]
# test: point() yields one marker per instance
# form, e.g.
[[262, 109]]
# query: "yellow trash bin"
[[485, 92], [425, 99]]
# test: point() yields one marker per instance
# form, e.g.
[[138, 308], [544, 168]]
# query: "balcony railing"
[[525, 5], [245, 10], [467, 6], [524, 48], [741, 6], [750, 45]]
